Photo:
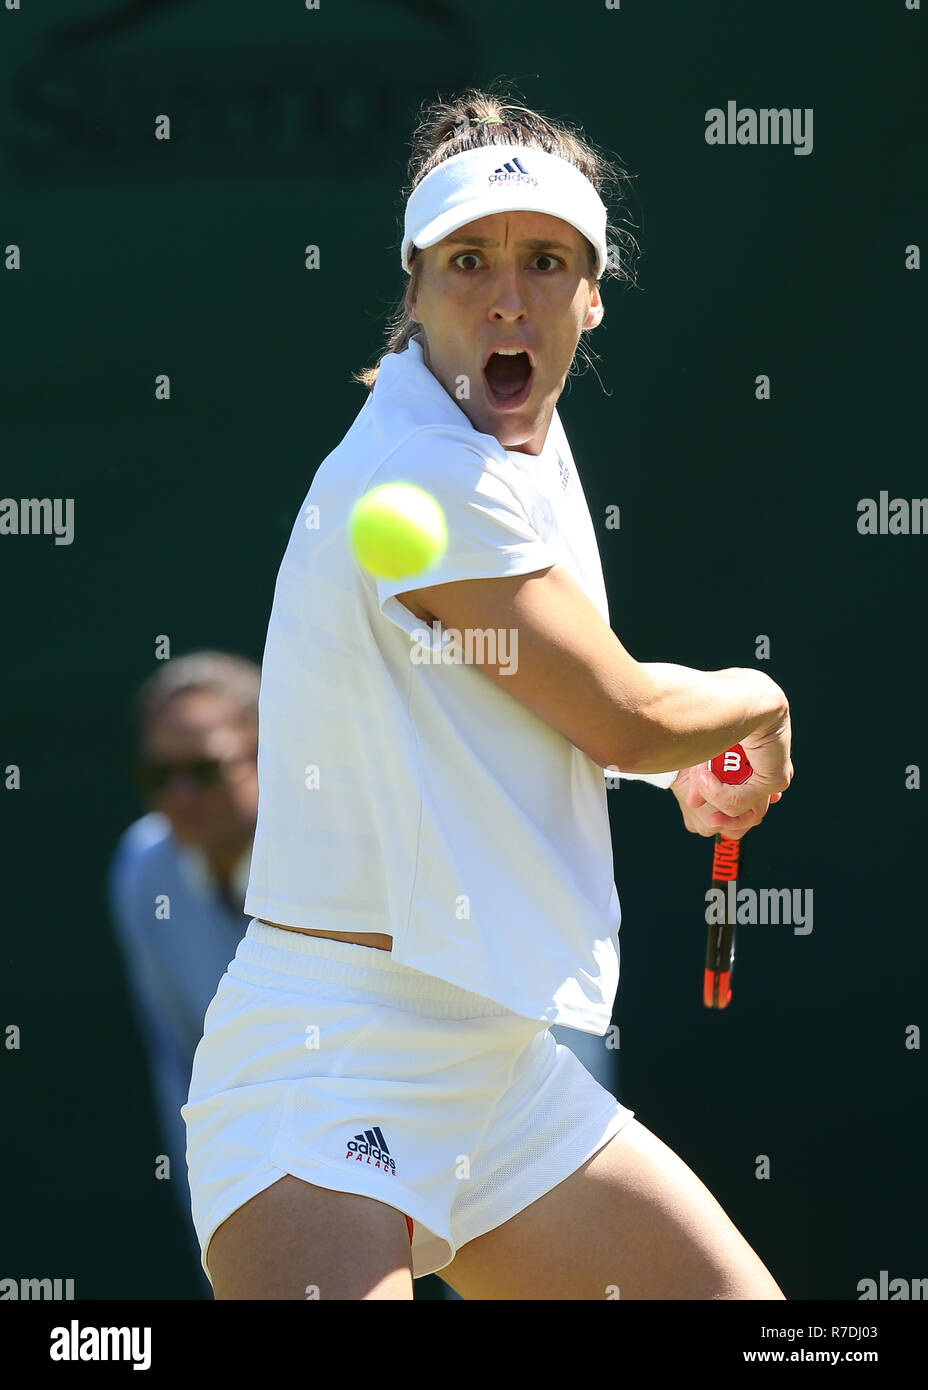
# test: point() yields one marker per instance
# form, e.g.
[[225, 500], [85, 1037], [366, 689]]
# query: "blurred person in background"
[[176, 881]]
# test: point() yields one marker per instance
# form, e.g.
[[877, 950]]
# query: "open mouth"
[[508, 378]]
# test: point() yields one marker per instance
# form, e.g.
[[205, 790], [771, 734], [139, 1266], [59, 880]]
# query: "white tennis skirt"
[[336, 1064]]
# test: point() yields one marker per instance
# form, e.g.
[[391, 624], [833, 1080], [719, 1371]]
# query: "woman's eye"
[[473, 256]]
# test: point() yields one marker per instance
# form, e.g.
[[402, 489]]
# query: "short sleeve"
[[493, 525]]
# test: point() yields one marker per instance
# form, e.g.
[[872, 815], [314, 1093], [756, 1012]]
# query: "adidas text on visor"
[[502, 178]]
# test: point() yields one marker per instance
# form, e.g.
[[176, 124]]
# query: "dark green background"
[[738, 518]]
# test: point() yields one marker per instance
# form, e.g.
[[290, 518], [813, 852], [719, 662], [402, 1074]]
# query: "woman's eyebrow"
[[534, 243]]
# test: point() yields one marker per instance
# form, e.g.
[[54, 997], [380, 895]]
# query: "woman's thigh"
[[297, 1241], [634, 1222]]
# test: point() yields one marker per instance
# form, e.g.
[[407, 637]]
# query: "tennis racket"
[[733, 768]]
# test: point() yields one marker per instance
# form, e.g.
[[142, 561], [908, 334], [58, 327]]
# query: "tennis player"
[[377, 1094]]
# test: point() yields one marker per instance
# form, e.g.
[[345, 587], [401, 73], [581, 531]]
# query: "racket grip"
[[733, 768], [716, 984]]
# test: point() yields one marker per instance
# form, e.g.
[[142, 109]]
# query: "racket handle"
[[733, 768], [720, 940]]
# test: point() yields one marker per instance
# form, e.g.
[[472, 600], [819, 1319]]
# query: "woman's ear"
[[412, 289], [594, 315]]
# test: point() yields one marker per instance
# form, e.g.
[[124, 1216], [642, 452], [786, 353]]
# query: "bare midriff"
[[362, 938]]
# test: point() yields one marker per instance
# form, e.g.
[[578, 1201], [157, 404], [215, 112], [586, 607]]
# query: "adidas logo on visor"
[[513, 171]]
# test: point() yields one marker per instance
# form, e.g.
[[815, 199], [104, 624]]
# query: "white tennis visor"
[[502, 178]]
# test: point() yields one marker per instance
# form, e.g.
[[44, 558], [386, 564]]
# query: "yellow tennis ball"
[[397, 529]]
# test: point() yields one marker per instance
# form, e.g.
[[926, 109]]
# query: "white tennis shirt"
[[404, 793]]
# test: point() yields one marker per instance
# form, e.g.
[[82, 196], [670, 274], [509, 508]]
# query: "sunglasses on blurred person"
[[154, 775]]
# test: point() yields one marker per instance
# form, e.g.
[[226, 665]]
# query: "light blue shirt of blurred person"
[[173, 965]]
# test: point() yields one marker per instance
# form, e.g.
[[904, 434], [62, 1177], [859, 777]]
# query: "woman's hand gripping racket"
[[733, 768], [764, 755]]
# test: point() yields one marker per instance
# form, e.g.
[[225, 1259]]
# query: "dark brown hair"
[[445, 129]]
